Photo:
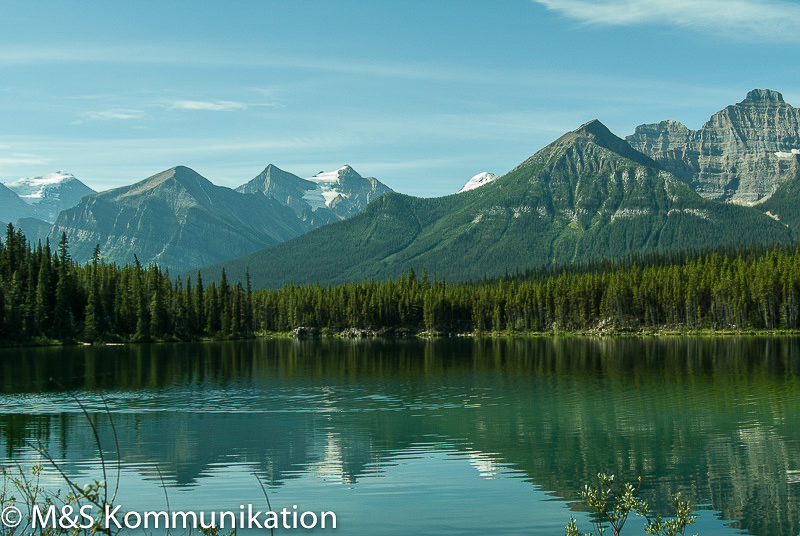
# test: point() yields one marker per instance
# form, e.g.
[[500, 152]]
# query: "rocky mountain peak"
[[179, 183], [760, 95], [185, 172], [738, 156], [182, 175], [176, 218], [324, 198], [341, 175], [274, 177], [600, 135], [594, 128]]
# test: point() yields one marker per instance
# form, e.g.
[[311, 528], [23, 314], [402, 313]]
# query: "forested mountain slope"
[[586, 195]]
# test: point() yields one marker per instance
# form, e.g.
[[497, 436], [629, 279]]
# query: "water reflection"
[[714, 418]]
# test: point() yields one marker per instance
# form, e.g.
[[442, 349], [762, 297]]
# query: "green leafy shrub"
[[612, 504]]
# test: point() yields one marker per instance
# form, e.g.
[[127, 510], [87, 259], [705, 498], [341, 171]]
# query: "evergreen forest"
[[45, 297]]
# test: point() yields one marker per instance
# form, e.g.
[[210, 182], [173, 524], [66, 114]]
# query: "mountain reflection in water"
[[717, 419]]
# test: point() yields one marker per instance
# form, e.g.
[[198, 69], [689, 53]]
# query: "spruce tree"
[[92, 322], [225, 304], [199, 302]]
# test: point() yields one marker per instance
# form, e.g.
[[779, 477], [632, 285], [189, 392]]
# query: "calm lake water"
[[427, 437]]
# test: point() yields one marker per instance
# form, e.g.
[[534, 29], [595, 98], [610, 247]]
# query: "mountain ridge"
[[176, 218], [732, 157], [586, 195], [324, 198]]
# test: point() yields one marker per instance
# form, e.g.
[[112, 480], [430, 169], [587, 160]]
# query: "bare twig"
[[264, 490], [166, 495], [116, 446]]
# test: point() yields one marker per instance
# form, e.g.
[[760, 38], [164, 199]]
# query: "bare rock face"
[[741, 155]]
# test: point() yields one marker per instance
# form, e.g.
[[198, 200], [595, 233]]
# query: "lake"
[[452, 436]]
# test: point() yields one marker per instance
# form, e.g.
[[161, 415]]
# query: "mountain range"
[[587, 195], [322, 199], [180, 220]]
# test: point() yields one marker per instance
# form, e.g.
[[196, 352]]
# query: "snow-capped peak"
[[31, 189], [328, 187], [51, 193], [332, 176], [481, 179]]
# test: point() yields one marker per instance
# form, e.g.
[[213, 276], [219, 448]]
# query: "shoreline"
[[407, 334]]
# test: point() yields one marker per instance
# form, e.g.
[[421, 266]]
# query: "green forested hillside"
[[587, 195], [784, 204]]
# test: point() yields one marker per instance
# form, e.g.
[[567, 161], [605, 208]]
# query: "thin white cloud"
[[107, 115], [769, 20], [36, 54], [210, 106]]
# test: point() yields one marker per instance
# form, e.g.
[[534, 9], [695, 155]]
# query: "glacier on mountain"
[[33, 189]]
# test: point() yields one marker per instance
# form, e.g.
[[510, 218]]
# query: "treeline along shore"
[[46, 297]]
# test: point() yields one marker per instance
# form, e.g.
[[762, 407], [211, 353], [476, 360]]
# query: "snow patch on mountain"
[[49, 194], [34, 189], [329, 187], [481, 179]]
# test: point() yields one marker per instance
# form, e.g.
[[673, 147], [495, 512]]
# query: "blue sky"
[[422, 95]]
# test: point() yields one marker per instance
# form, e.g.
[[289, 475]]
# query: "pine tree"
[[225, 304], [199, 301], [62, 315], [247, 323], [142, 305], [92, 323], [158, 313]]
